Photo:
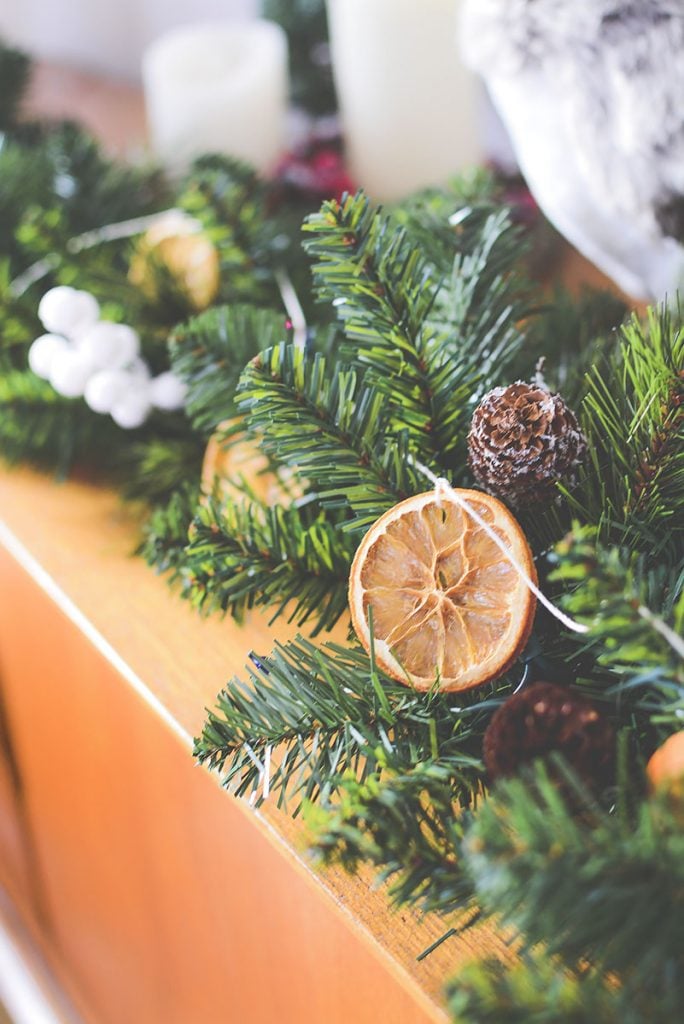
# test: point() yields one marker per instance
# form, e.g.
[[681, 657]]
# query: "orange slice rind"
[[448, 606]]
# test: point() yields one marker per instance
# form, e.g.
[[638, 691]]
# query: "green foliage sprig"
[[426, 333], [634, 609], [334, 432], [210, 351], [599, 887], [633, 418], [292, 560], [334, 712]]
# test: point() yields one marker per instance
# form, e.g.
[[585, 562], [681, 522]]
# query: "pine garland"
[[427, 333], [432, 310]]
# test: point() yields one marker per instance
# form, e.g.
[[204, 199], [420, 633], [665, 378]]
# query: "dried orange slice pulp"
[[448, 606]]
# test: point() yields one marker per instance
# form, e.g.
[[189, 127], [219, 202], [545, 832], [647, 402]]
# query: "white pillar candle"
[[408, 104], [218, 87]]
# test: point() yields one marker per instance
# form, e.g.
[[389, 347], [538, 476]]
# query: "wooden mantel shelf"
[[157, 897]]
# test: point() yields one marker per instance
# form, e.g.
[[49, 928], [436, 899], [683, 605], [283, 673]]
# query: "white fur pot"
[[592, 93]]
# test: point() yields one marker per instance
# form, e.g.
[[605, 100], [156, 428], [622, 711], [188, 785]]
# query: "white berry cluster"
[[83, 356]]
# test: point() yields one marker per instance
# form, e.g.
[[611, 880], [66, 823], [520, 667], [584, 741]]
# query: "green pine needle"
[[428, 336], [210, 352], [292, 560], [319, 712], [589, 886], [329, 428]]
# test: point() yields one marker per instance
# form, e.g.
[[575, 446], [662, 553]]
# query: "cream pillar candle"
[[218, 87], [408, 104]]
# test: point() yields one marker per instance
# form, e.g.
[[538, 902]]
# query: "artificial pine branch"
[[424, 341], [407, 825], [479, 336], [327, 426], [55, 187], [241, 555], [210, 351], [26, 174], [165, 534], [325, 711], [231, 202], [426, 216], [535, 861], [572, 333], [635, 613], [538, 989], [95, 189], [165, 459], [40, 427], [633, 484], [383, 289]]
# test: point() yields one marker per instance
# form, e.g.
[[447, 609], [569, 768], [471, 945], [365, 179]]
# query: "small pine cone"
[[544, 718], [523, 439]]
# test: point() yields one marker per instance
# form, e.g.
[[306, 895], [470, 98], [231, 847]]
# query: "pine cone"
[[522, 441], [544, 718]]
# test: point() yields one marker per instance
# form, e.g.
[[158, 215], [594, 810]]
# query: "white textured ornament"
[[109, 346], [138, 369], [70, 372], [168, 391], [106, 388], [43, 353], [66, 311], [132, 410]]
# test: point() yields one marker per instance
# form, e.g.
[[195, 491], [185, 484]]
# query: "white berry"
[[109, 346], [105, 388], [139, 369], [168, 391], [132, 410], [67, 311], [44, 351], [69, 373]]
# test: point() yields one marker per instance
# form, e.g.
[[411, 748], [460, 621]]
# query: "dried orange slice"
[[448, 606]]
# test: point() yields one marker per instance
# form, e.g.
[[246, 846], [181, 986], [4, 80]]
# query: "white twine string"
[[293, 307], [267, 772], [88, 240], [444, 489], [264, 770]]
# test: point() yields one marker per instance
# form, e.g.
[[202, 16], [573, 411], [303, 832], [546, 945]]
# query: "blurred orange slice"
[[238, 469], [448, 606]]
